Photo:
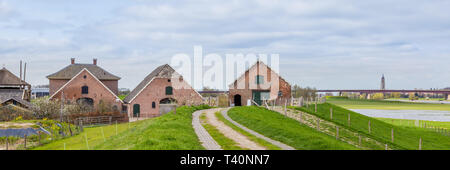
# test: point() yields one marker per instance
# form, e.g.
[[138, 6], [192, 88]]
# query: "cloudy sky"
[[337, 44]]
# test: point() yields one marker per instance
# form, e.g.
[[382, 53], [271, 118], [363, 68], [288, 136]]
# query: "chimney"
[[95, 61], [72, 60]]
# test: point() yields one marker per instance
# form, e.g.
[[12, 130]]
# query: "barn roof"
[[255, 65], [7, 78], [164, 71], [18, 100], [70, 71]]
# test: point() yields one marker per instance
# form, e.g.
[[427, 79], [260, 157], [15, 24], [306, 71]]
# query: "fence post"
[[285, 107], [70, 130], [349, 124], [369, 127], [420, 144], [359, 140], [87, 144], [39, 141], [331, 113], [81, 125], [392, 135], [116, 127], [7, 142], [300, 119], [318, 124], [315, 107], [337, 132], [110, 120], [25, 141], [386, 146]]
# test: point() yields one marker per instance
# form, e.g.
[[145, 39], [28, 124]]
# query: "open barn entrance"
[[237, 100], [167, 105]]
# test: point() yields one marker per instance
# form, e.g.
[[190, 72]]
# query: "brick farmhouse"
[[259, 83], [86, 83], [160, 92]]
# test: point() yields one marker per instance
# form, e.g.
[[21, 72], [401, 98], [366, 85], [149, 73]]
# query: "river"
[[432, 115]]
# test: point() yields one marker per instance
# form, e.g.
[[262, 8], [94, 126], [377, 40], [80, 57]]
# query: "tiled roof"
[[73, 69], [7, 78], [164, 71]]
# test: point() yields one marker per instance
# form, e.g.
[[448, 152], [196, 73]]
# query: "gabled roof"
[[254, 65], [73, 78], [19, 100], [70, 71], [164, 71], [7, 78]]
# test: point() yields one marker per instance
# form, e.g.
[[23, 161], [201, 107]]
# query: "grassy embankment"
[[276, 126], [168, 132], [386, 105], [404, 137]]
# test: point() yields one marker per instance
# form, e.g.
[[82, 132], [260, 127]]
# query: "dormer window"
[[259, 79]]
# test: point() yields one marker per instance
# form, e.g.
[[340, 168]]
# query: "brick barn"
[[258, 83], [85, 83], [160, 92]]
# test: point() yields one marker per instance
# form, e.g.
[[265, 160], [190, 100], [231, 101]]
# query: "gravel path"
[[241, 140], [207, 141], [274, 142]]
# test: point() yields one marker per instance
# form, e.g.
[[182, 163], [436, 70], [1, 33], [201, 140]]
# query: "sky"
[[327, 44]]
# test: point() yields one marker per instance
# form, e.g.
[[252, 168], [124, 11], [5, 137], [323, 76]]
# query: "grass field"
[[222, 140], [386, 105], [168, 132], [404, 137], [276, 126]]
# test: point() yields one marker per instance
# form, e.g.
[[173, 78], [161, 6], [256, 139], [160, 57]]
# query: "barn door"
[[136, 110], [257, 97]]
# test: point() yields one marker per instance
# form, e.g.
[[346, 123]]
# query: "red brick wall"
[[156, 91], [97, 91]]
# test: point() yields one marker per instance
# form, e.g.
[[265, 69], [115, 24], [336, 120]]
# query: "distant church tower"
[[383, 83]]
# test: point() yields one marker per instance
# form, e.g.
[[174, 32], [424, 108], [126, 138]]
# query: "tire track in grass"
[[274, 142]]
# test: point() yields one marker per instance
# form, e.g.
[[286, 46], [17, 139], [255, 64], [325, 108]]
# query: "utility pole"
[[62, 106]]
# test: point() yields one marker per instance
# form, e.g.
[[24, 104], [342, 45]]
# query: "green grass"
[[275, 126], [222, 140], [253, 138], [386, 105], [404, 137], [168, 132]]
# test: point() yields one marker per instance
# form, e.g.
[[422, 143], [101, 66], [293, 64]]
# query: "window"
[[169, 90], [85, 90], [153, 105], [259, 79]]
